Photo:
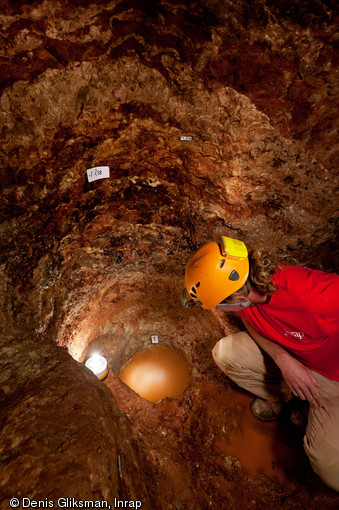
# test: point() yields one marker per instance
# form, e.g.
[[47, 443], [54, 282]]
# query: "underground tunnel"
[[214, 118]]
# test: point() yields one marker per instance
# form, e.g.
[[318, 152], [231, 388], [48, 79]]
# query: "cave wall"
[[100, 265], [118, 84], [63, 436]]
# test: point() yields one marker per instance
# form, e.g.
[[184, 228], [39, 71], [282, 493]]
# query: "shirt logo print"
[[296, 334]]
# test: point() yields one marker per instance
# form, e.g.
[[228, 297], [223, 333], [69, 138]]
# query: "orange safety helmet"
[[215, 271]]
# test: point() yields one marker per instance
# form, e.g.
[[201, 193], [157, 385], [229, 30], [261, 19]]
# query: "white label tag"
[[155, 339], [98, 172], [186, 138]]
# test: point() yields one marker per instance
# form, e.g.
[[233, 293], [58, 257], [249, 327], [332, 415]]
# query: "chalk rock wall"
[[100, 265]]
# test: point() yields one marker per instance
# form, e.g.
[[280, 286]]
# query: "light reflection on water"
[[156, 372]]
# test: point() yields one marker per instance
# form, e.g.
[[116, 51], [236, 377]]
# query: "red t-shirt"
[[303, 317]]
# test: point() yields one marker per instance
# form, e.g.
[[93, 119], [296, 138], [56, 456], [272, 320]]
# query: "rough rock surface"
[[99, 265], [62, 433]]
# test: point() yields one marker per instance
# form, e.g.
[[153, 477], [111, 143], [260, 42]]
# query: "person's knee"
[[221, 352], [233, 349]]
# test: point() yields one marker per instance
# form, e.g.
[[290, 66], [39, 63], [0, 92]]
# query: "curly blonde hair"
[[262, 268]]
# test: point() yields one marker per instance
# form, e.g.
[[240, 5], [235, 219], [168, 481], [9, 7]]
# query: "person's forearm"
[[296, 375], [275, 351]]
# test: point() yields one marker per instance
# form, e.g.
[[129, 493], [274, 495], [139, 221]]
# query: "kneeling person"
[[291, 346]]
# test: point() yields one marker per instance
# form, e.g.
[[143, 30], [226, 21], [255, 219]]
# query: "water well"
[[213, 118]]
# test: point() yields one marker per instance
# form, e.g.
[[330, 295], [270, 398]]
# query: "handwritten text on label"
[[98, 172]]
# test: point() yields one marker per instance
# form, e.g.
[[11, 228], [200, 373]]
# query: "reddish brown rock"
[[63, 435], [100, 265]]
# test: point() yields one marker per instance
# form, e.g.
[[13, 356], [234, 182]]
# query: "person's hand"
[[300, 380]]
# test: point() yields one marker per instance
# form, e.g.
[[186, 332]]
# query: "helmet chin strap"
[[244, 304], [193, 302]]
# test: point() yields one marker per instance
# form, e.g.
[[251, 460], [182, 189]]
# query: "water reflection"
[[156, 372], [265, 447]]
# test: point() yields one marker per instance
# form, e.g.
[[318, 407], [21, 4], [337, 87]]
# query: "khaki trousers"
[[240, 358]]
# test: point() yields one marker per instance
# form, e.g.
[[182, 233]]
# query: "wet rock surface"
[[99, 266]]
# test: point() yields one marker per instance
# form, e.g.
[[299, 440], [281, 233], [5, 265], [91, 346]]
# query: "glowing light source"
[[98, 365]]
